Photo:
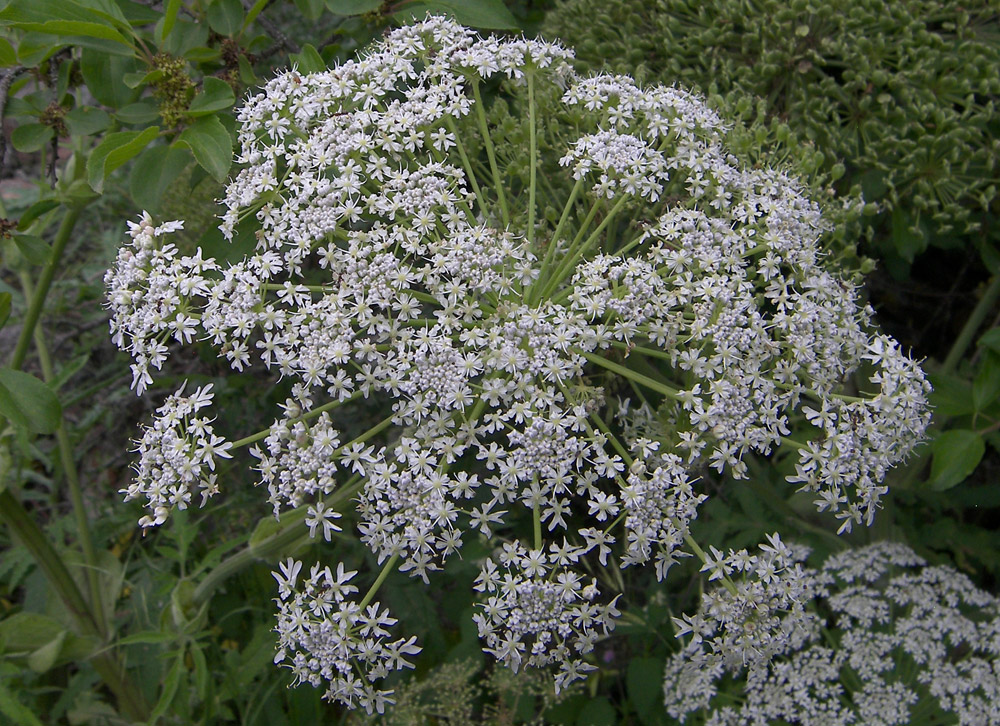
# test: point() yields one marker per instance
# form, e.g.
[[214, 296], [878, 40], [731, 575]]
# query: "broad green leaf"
[[16, 713], [141, 78], [951, 395], [29, 138], [141, 113], [311, 9], [308, 61], [991, 340], [103, 75], [149, 637], [76, 29], [475, 13], [115, 150], [211, 145], [185, 36], [23, 634], [956, 455], [645, 684], [33, 248], [247, 76], [353, 7], [45, 657], [225, 17], [216, 95], [84, 121], [28, 403], [5, 299], [153, 173], [8, 56], [597, 712], [986, 385], [35, 211], [35, 48]]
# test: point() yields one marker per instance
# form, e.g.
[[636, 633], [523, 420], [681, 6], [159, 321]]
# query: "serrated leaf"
[[5, 300], [27, 402], [225, 17], [153, 173], [956, 455], [353, 7], [33, 248], [29, 138], [84, 121], [115, 150], [211, 145], [216, 95]]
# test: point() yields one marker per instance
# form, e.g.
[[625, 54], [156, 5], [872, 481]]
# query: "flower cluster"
[[329, 639], [889, 614], [177, 456], [539, 611], [389, 264]]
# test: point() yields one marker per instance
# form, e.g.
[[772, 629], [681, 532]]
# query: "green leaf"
[[956, 455], [33, 248], [475, 13], [8, 56], [211, 144], [28, 403], [991, 340], [75, 29], [645, 684], [85, 121], [103, 75], [141, 113], [35, 211], [225, 17], [29, 138], [169, 18], [142, 78], [153, 173], [951, 395], [216, 95], [149, 637], [598, 712], [353, 7], [45, 657], [35, 48], [170, 684], [308, 61], [115, 150], [13, 709], [5, 299], [311, 9], [986, 385]]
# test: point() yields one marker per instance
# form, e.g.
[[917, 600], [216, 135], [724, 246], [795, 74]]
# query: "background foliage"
[[113, 106]]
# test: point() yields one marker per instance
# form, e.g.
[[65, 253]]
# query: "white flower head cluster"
[[538, 611], [901, 641], [177, 456], [329, 639], [394, 261]]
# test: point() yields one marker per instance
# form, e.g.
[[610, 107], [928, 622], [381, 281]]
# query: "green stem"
[[729, 585], [533, 160], [386, 569], [536, 521], [253, 438], [469, 171], [488, 143], [292, 528], [72, 479], [554, 241], [629, 373], [968, 332], [44, 283]]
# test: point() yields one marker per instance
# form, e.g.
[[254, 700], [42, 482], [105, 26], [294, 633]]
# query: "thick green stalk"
[[386, 569], [72, 479], [533, 160], [629, 373], [488, 142], [44, 283], [968, 332]]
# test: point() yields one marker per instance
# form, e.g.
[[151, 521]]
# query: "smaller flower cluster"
[[149, 287], [890, 614], [538, 611], [177, 456], [326, 637]]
